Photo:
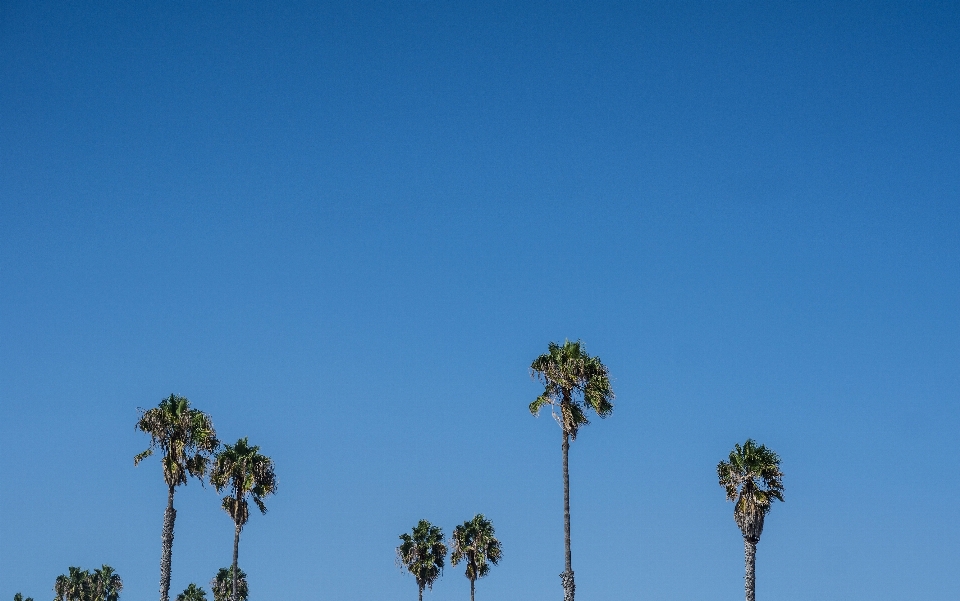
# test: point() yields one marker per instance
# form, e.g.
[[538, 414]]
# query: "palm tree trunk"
[[236, 553], [567, 577], [421, 593], [750, 559], [472, 581], [169, 516]]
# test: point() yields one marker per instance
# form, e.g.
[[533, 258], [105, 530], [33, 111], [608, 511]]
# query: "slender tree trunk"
[[750, 559], [236, 552], [472, 581], [421, 593], [166, 553], [569, 588]]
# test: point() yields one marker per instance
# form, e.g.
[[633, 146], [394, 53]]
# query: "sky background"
[[346, 231]]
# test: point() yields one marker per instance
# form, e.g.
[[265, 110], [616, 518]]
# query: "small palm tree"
[[106, 584], [19, 597], [474, 543], [753, 480], [573, 382], [223, 583], [186, 438], [247, 473], [192, 593], [76, 585], [423, 553]]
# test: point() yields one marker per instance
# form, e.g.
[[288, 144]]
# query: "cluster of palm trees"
[[575, 383], [221, 585], [423, 551], [102, 584], [188, 445]]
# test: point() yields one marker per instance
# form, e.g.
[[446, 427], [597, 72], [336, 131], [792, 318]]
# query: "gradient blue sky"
[[346, 231]]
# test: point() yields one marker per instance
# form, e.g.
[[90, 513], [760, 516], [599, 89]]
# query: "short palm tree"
[[192, 593], [186, 438], [223, 583], [19, 597], [753, 480], [76, 585], [573, 382], [106, 584], [474, 543], [423, 553], [103, 584], [247, 473]]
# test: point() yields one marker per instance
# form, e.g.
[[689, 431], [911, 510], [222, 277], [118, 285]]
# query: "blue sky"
[[346, 231]]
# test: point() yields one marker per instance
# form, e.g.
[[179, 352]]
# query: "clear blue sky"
[[345, 232]]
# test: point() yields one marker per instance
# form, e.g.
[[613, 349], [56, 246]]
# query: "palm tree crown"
[[246, 472], [185, 436], [573, 381], [474, 543], [423, 553], [222, 585], [192, 593], [752, 479]]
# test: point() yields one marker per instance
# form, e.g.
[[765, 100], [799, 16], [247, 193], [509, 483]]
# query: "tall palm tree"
[[753, 480], [573, 382], [186, 438], [474, 543], [247, 473], [423, 554], [223, 583]]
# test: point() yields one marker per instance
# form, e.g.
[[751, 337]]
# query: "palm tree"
[[753, 480], [423, 553], [106, 584], [19, 597], [61, 588], [223, 585], [474, 542], [192, 593], [247, 473], [573, 381], [186, 438], [76, 585]]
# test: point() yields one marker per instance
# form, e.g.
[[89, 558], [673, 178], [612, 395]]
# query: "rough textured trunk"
[[472, 582], [567, 577], [166, 553], [236, 552], [750, 561], [421, 593]]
